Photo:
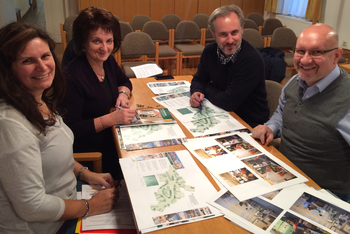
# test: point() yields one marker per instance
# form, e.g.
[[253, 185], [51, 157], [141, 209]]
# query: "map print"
[[170, 192]]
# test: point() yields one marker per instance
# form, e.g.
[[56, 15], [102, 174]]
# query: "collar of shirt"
[[308, 92], [224, 59]]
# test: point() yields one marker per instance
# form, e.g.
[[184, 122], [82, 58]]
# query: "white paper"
[[146, 70], [296, 209], [219, 124], [244, 167], [169, 87], [120, 217], [151, 181], [148, 133]]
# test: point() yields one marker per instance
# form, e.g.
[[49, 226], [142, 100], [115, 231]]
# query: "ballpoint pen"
[[200, 105]]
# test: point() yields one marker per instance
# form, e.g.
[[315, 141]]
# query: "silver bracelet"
[[102, 123], [81, 171], [87, 208], [128, 95]]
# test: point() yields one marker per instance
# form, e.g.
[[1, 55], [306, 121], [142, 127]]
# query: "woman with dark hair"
[[37, 169], [96, 84]]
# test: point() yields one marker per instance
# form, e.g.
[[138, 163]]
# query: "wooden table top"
[[142, 95]]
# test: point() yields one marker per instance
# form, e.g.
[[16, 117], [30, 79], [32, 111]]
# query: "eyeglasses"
[[312, 53]]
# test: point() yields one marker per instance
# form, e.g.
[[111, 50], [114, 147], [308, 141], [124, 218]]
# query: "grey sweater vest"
[[309, 135]]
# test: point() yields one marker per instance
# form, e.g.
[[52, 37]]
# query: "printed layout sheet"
[[150, 133], [244, 167], [167, 189], [212, 120], [169, 87], [119, 218], [296, 209]]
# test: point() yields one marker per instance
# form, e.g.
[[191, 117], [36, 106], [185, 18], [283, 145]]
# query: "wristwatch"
[[125, 93]]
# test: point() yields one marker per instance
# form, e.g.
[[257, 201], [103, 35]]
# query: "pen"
[[200, 104]]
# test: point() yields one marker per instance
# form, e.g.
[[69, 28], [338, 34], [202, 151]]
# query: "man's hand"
[[264, 133], [196, 98]]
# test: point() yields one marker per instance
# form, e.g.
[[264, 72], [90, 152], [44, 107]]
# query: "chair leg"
[[97, 166]]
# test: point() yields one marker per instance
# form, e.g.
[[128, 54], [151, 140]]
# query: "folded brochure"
[[153, 116]]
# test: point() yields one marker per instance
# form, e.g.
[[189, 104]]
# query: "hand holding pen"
[[196, 100]]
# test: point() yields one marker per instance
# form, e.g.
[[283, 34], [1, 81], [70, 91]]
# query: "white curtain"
[[296, 8]]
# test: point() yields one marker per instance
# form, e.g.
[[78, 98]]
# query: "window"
[[296, 8]]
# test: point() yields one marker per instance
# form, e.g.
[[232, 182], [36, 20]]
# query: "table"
[[142, 95], [346, 67]]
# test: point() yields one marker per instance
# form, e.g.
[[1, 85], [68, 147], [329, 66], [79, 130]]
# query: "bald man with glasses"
[[313, 116]]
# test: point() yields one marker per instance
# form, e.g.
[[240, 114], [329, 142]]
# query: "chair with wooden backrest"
[[138, 21], [188, 30], [248, 23], [257, 18], [158, 32], [270, 25], [171, 21], [284, 39], [94, 157], [67, 30], [202, 21], [254, 38], [136, 49], [273, 90]]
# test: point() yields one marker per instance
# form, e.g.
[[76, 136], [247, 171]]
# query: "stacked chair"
[[187, 31], [138, 21], [171, 20], [159, 32], [137, 48], [202, 21]]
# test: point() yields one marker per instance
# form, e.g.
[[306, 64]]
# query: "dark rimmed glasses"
[[312, 53]]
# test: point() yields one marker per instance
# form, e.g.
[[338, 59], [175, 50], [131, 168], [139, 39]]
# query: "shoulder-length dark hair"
[[14, 38], [91, 19]]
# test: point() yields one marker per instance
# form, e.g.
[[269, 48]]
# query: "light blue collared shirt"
[[276, 123]]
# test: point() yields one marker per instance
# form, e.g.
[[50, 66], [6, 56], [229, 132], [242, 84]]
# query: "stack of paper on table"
[[242, 165], [211, 120], [167, 189], [295, 209], [169, 87], [151, 116], [119, 220], [150, 128]]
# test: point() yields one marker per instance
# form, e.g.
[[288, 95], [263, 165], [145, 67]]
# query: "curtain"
[[296, 8], [314, 6], [270, 5]]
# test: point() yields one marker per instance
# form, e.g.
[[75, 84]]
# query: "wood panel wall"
[[186, 9]]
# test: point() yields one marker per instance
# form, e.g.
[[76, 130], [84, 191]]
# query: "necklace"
[[102, 77]]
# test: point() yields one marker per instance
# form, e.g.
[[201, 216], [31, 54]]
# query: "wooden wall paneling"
[[89, 3], [208, 6], [253, 6], [159, 8], [229, 2], [116, 7], [186, 9], [137, 7]]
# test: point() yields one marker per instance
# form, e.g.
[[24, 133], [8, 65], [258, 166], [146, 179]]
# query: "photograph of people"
[[96, 84], [37, 170]]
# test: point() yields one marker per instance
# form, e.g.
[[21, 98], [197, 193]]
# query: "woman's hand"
[[122, 116], [103, 201], [123, 101], [103, 179]]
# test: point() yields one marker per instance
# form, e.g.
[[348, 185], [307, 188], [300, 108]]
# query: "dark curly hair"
[[14, 38], [91, 19]]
